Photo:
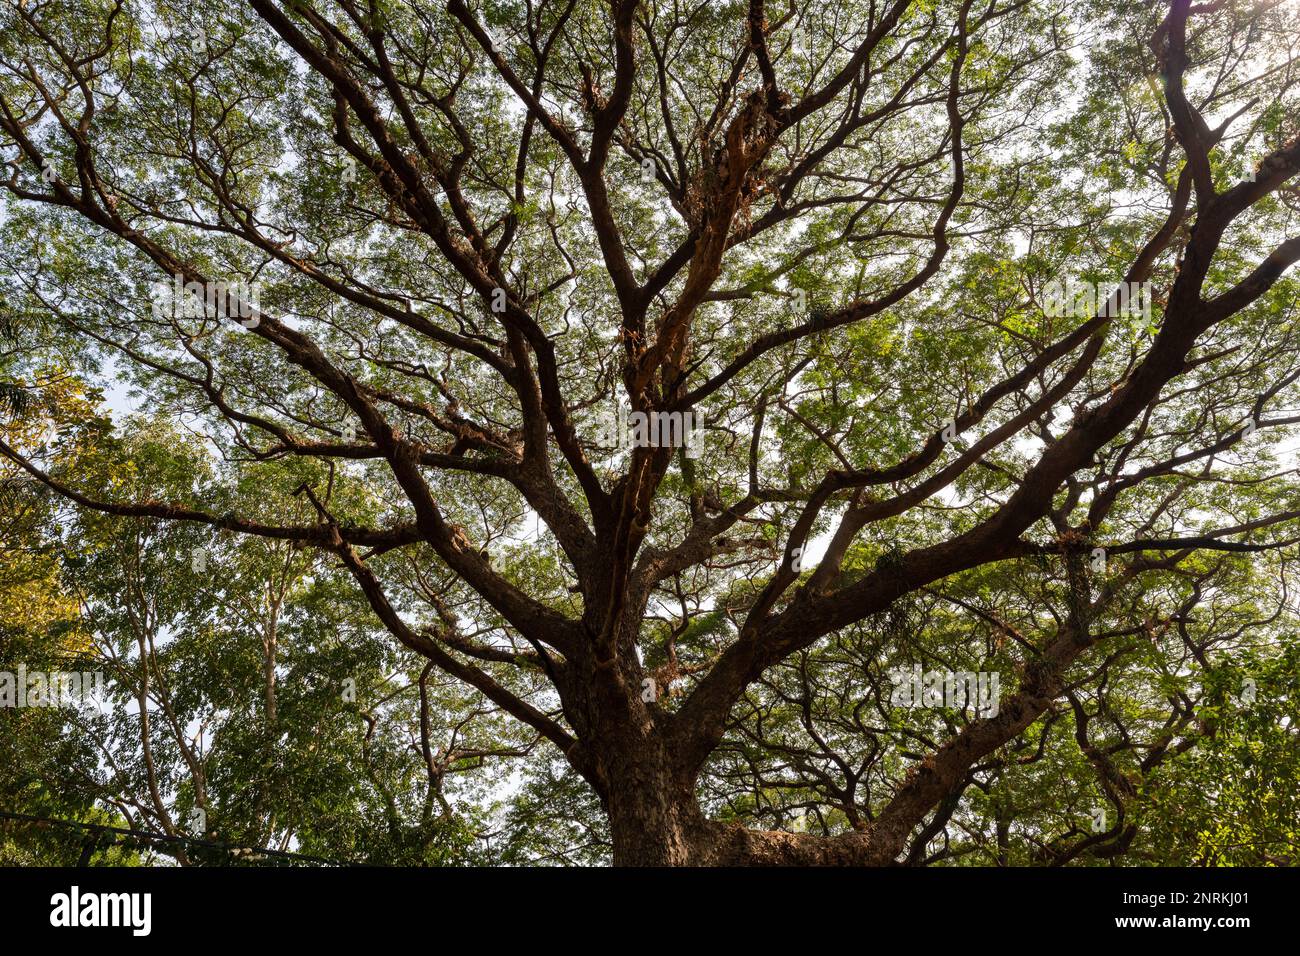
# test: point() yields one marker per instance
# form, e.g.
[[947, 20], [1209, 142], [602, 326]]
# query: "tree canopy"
[[561, 431]]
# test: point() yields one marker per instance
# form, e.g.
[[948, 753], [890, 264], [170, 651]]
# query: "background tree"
[[829, 231]]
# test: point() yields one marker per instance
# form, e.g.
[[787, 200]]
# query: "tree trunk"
[[655, 821], [653, 816]]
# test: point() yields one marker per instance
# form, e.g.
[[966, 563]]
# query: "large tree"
[[829, 233]]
